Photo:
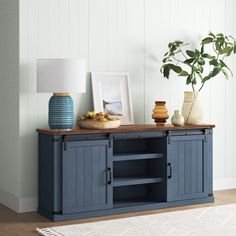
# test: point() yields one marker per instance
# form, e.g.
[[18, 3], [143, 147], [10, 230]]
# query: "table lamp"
[[61, 77]]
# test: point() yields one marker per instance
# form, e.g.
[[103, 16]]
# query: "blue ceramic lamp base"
[[61, 112]]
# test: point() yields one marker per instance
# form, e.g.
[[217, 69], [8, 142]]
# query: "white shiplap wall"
[[122, 35], [9, 85]]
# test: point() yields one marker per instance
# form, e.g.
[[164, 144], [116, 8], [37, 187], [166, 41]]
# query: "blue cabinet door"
[[189, 167], [85, 183]]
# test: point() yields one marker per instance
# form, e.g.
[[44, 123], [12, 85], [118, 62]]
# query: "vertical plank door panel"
[[188, 158], [85, 186]]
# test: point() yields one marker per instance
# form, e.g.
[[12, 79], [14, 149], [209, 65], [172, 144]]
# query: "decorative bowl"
[[94, 124]]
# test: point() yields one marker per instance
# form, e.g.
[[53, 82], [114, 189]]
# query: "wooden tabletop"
[[125, 128]]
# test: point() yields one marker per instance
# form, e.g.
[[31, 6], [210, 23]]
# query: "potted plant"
[[198, 66]]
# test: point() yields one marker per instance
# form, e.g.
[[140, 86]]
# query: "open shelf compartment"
[[143, 148], [136, 195], [135, 172], [139, 171]]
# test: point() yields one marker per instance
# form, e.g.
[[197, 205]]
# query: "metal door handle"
[[109, 175], [170, 170]]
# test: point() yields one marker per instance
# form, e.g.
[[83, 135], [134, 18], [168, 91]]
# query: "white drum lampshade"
[[61, 77]]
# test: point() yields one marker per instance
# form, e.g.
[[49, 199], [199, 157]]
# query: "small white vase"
[[192, 110], [177, 118]]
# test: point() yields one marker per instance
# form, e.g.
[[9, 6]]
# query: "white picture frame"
[[111, 94]]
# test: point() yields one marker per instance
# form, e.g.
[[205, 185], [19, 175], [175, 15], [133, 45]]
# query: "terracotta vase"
[[160, 113]]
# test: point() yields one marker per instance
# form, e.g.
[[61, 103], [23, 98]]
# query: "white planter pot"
[[192, 110]]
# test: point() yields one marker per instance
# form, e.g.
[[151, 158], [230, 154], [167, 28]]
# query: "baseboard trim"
[[9, 200], [224, 183], [29, 204], [19, 205]]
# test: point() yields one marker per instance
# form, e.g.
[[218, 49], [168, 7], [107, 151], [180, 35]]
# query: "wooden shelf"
[[131, 180], [136, 156], [133, 202]]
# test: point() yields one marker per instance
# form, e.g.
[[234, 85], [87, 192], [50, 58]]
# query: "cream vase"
[[192, 110], [177, 119]]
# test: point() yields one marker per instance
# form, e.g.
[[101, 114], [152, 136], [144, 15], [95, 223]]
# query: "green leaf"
[[214, 62], [230, 51], [226, 50], [197, 53], [175, 68], [215, 71], [220, 35], [206, 78], [178, 42], [207, 40], [189, 79], [191, 53], [194, 81], [219, 48], [202, 49], [184, 73], [200, 69], [189, 61], [223, 64], [199, 74], [166, 71], [206, 55], [173, 48], [225, 73], [221, 40], [201, 61], [194, 69], [234, 48], [211, 34], [165, 60]]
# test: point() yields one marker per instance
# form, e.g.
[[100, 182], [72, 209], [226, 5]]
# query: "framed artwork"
[[111, 94]]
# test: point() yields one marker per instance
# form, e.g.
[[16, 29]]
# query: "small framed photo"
[[111, 94]]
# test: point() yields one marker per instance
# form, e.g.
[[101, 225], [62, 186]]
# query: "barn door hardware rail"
[[86, 138]]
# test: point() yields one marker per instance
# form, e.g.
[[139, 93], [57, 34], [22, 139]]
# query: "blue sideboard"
[[86, 173]]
